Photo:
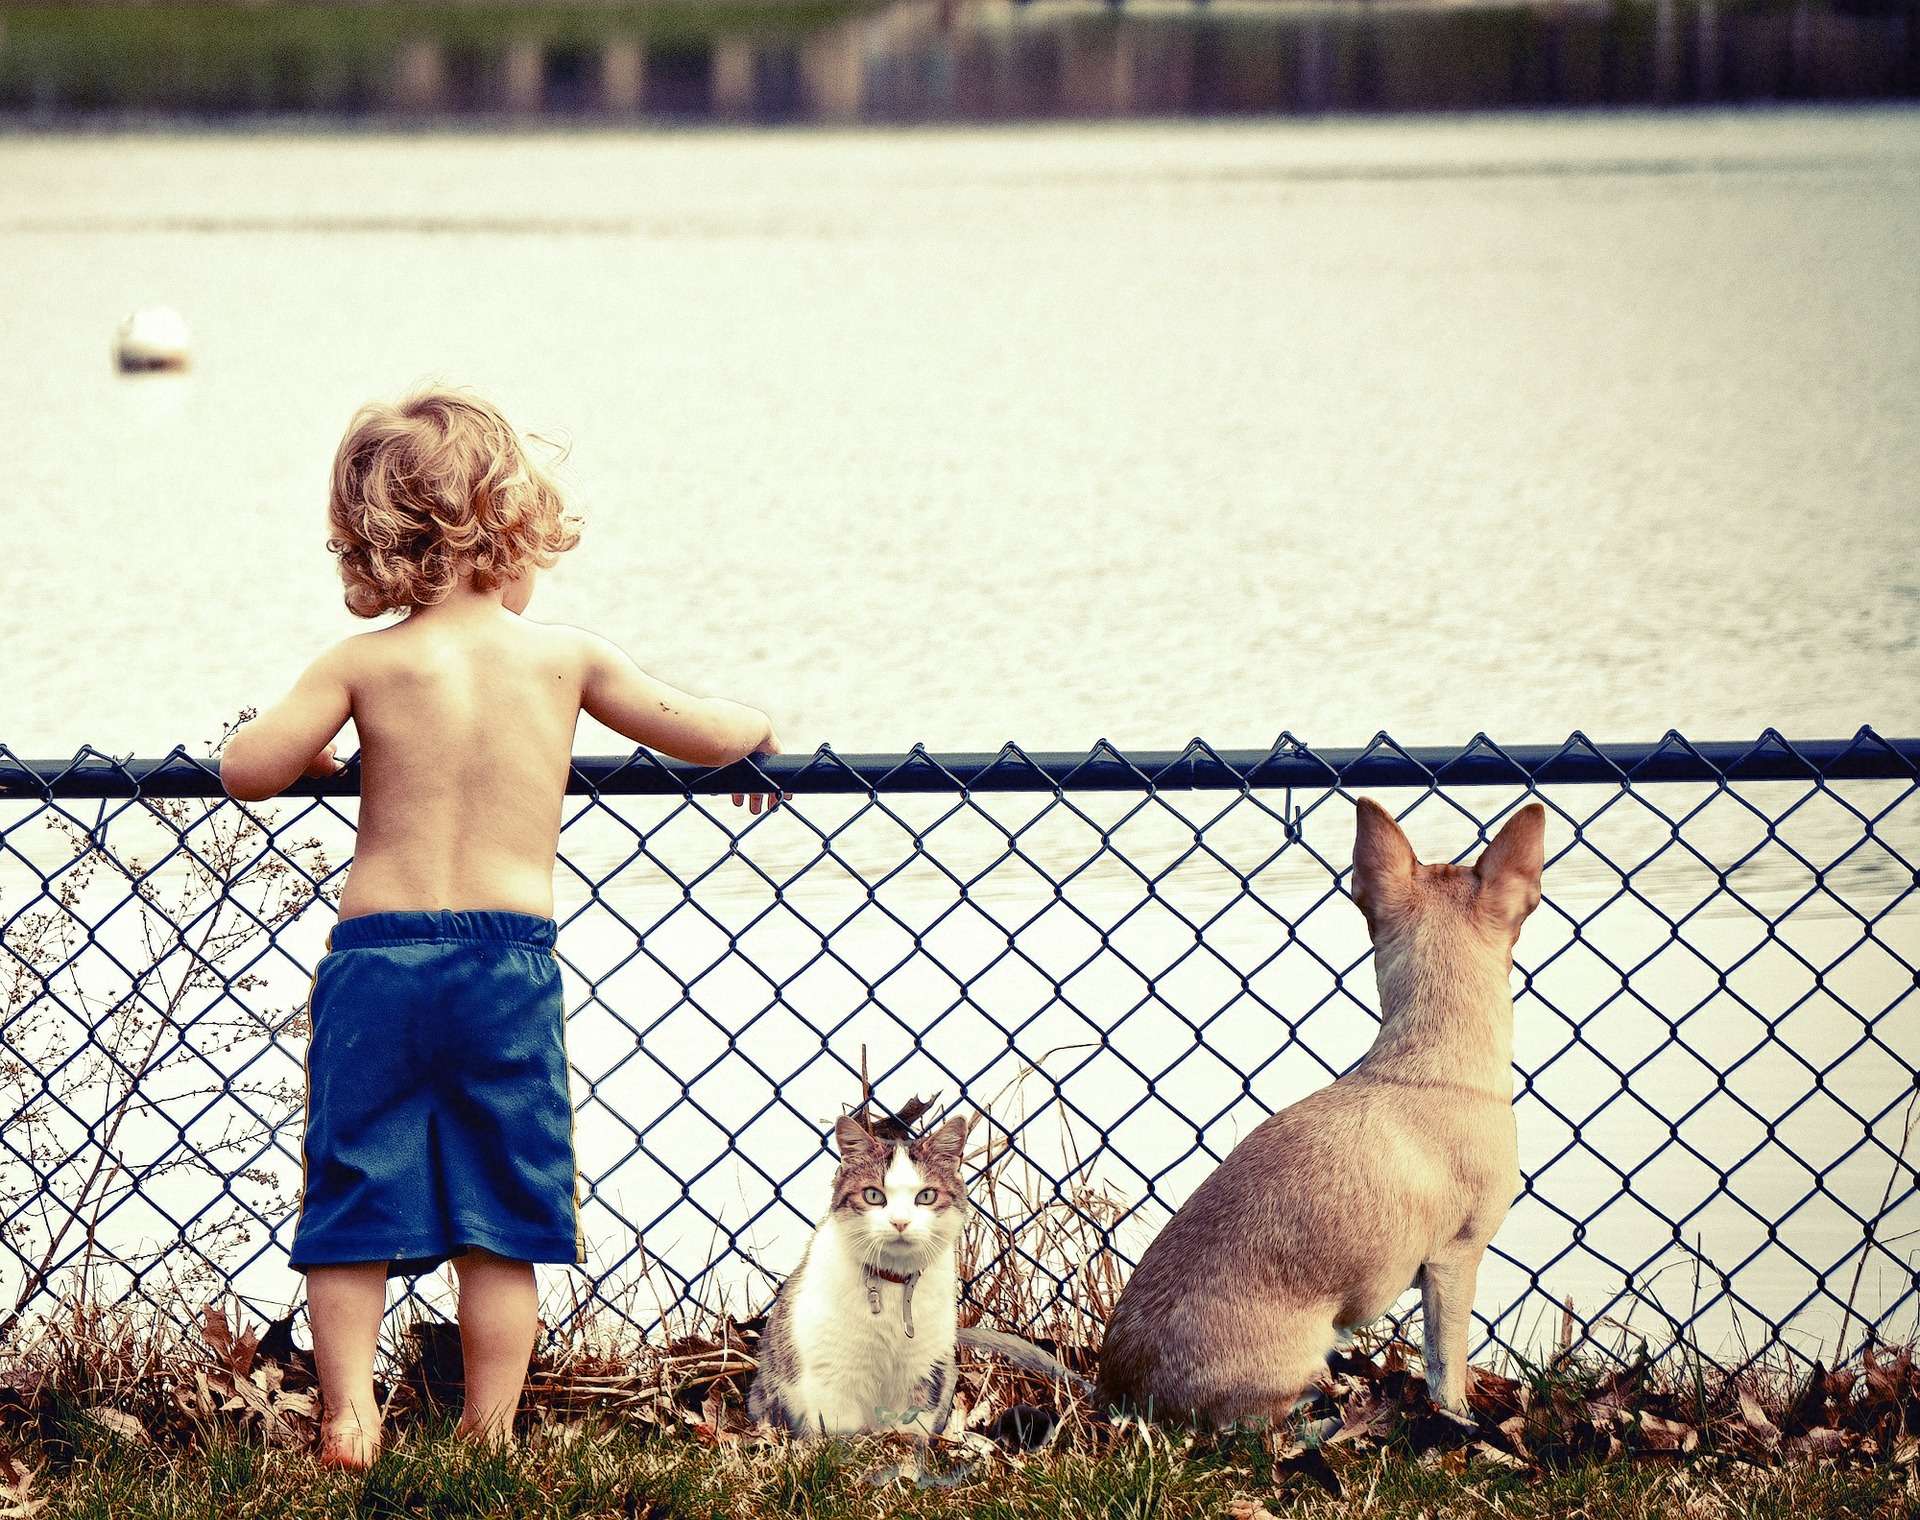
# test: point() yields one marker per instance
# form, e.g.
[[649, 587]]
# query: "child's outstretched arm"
[[294, 737], [702, 730]]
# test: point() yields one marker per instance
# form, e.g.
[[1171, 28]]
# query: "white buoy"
[[153, 337]]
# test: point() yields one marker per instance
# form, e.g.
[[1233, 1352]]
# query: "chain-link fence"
[[1125, 962]]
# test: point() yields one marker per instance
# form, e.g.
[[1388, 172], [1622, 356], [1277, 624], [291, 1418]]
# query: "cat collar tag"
[[874, 1277]]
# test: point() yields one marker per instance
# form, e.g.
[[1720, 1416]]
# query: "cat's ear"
[[948, 1143], [851, 1136]]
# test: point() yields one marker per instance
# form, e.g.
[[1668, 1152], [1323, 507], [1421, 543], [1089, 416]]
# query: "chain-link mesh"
[[1124, 962]]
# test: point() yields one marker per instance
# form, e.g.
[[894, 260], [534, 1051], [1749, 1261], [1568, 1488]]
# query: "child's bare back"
[[465, 716]]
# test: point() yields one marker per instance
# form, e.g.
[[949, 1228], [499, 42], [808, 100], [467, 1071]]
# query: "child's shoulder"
[[356, 652], [350, 661], [583, 644]]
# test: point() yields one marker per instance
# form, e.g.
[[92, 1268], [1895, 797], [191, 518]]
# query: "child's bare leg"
[[498, 1322], [345, 1304]]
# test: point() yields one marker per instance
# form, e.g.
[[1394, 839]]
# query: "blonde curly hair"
[[431, 491]]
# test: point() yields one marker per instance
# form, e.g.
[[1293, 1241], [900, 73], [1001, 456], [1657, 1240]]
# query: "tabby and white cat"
[[862, 1334]]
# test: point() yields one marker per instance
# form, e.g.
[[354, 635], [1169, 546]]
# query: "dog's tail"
[[1024, 1355]]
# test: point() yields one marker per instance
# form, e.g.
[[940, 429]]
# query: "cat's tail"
[[1024, 1355]]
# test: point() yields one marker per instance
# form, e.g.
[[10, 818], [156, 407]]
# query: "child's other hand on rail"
[[324, 764], [756, 801]]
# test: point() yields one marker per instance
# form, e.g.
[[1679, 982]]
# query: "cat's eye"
[[874, 1196], [925, 1197]]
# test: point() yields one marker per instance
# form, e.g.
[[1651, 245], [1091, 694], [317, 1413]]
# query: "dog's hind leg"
[[1263, 1380]]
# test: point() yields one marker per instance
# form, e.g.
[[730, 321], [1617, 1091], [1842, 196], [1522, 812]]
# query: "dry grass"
[[70, 1462], [121, 1411]]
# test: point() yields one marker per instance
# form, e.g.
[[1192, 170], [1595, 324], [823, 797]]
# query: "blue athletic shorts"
[[438, 1115]]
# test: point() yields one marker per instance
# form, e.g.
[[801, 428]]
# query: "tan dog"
[[1398, 1173]]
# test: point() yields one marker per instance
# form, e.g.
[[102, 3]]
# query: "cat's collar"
[[875, 1276]]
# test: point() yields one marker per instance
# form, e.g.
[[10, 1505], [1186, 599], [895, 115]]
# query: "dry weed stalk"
[[80, 1064], [1038, 1257]]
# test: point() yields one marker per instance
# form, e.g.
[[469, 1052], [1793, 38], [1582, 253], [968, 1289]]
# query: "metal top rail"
[[1289, 763]]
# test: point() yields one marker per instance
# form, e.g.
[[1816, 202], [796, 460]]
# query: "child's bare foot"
[[483, 1432], [347, 1443]]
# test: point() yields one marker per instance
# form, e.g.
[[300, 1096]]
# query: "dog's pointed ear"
[[851, 1136], [1509, 868], [1383, 860]]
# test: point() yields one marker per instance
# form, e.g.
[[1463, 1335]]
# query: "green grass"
[[634, 1471]]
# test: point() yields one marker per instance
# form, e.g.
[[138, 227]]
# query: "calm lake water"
[[1143, 431], [1521, 425]]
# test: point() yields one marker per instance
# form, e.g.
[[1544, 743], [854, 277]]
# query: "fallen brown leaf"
[[119, 1423], [1668, 1435], [1757, 1424], [1491, 1396], [1823, 1441], [1483, 1452], [233, 1353], [17, 1482]]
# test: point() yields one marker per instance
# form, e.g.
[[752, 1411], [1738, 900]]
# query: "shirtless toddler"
[[438, 1123]]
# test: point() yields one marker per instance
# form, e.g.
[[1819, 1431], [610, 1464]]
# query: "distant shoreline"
[[781, 62]]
